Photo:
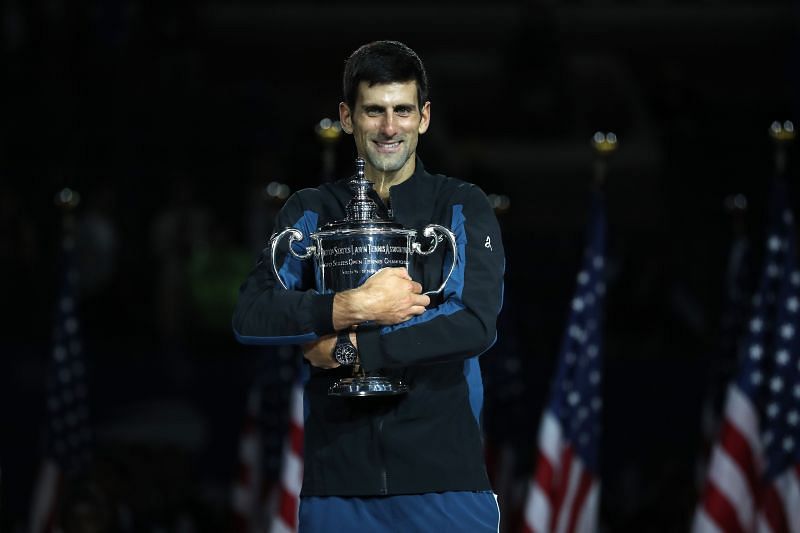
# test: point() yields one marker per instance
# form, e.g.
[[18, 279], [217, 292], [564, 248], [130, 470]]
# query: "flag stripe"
[[738, 451], [727, 478], [584, 486], [720, 510], [703, 523], [772, 509], [587, 516], [538, 510], [739, 412]]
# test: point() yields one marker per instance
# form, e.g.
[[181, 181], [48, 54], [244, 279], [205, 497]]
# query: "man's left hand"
[[320, 352]]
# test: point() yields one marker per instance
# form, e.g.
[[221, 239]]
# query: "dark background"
[[171, 118]]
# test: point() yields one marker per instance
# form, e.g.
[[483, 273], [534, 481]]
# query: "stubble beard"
[[387, 163]]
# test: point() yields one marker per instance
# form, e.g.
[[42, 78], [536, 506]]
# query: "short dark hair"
[[383, 62]]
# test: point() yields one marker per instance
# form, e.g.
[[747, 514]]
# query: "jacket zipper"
[[384, 489]]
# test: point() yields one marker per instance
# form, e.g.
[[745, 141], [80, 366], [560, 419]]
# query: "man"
[[412, 462]]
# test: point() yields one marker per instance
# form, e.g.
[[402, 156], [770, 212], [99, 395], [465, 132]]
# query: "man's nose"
[[388, 127]]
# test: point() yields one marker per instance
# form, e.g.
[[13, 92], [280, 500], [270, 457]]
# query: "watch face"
[[345, 354]]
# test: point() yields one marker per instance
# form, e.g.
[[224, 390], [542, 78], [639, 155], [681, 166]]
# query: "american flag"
[[564, 493], [753, 482], [249, 502], [285, 518], [68, 435], [261, 443]]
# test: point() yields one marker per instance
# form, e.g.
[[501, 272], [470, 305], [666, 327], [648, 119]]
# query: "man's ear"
[[345, 118], [425, 118]]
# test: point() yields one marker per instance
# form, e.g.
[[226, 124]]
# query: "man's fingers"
[[423, 300], [416, 287]]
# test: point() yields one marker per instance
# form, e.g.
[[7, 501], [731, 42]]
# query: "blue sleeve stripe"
[[454, 288], [472, 373], [292, 274], [275, 341]]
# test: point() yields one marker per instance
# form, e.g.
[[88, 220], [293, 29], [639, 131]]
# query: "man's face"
[[386, 124]]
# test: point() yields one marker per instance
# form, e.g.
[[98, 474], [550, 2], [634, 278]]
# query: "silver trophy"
[[347, 252]]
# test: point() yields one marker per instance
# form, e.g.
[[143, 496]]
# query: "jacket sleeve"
[[464, 324], [265, 312]]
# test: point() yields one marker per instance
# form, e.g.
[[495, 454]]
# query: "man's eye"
[[373, 112], [403, 111]]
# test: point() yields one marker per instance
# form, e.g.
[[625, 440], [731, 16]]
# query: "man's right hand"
[[388, 297]]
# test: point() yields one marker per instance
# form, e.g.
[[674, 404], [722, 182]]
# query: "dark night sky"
[[148, 109]]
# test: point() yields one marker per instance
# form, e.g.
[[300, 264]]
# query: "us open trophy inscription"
[[347, 252]]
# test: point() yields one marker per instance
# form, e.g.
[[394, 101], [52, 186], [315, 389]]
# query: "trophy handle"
[[430, 231], [294, 236]]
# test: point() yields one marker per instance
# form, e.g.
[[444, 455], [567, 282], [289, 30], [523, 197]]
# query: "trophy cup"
[[347, 252]]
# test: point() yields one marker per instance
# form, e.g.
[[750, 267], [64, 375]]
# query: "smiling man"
[[413, 462]]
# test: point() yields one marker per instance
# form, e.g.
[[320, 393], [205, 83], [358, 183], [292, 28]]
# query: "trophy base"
[[367, 386]]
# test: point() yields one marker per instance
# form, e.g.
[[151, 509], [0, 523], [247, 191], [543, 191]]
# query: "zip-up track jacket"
[[428, 440]]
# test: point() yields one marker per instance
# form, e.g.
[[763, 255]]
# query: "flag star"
[[570, 358], [772, 270], [776, 384], [756, 325], [597, 403], [573, 398], [583, 277], [597, 262], [795, 278], [788, 444], [787, 331], [594, 377], [773, 410], [788, 217], [577, 304], [768, 438], [797, 391], [774, 243], [782, 356], [592, 350], [792, 418], [756, 352], [792, 304], [583, 412], [756, 378], [577, 333]]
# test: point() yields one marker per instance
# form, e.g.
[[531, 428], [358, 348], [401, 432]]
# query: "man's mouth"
[[386, 146]]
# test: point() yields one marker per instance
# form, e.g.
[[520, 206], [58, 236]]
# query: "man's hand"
[[320, 352], [388, 297]]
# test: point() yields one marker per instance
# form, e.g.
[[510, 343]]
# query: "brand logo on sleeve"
[[488, 243]]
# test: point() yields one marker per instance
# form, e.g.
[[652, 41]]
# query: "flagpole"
[[782, 135], [328, 132], [604, 145]]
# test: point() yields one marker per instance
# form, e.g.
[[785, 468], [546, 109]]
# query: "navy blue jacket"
[[428, 440]]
